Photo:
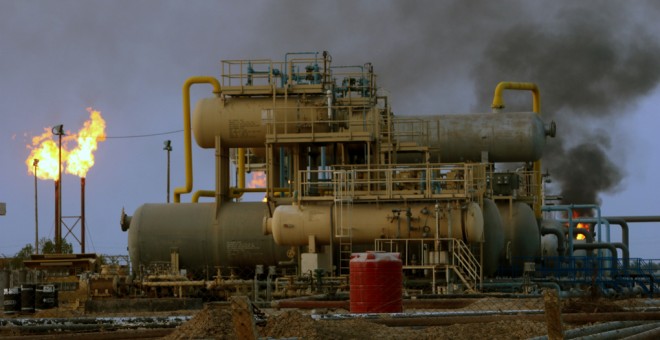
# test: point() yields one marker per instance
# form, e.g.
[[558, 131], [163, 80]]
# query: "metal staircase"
[[466, 266]]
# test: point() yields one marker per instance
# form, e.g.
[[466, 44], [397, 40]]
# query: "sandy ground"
[[214, 321]]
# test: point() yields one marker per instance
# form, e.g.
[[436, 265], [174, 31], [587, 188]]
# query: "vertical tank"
[[376, 282]]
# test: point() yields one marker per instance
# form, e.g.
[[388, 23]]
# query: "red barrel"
[[376, 282]]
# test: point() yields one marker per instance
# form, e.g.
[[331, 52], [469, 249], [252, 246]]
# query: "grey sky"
[[128, 59]]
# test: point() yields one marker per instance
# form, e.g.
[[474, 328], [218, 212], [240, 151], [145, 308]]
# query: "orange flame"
[[47, 152], [81, 158], [258, 180], [580, 226], [76, 161]]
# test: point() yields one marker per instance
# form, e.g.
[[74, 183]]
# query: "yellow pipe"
[[187, 139], [202, 193], [498, 104], [241, 168], [236, 192]]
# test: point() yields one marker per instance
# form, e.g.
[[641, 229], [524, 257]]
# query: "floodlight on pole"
[[168, 148]]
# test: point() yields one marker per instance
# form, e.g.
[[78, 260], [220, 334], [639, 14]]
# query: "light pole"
[[59, 131], [35, 163], [168, 148]]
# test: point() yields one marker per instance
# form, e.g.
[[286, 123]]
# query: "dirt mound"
[[58, 313], [295, 324], [213, 321]]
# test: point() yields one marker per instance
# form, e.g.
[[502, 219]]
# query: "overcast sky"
[[597, 64]]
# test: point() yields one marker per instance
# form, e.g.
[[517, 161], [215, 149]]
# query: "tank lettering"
[[233, 246], [240, 128]]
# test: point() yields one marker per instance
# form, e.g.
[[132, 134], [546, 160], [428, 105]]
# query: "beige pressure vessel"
[[242, 122], [235, 240], [506, 137], [293, 224]]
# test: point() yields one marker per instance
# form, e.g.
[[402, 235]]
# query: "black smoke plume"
[[591, 67]]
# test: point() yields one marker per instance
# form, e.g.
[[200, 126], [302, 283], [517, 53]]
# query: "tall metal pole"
[[82, 215], [35, 162], [58, 228], [57, 216], [58, 130], [168, 148]]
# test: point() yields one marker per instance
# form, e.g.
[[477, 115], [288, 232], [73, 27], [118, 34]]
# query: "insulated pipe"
[[625, 253], [498, 103], [186, 130], [561, 239], [634, 219], [594, 329], [571, 220], [625, 231], [594, 246]]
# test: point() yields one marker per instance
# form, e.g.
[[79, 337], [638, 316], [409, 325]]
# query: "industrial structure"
[[459, 197]]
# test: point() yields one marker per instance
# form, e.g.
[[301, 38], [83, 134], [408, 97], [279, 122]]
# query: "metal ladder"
[[343, 197]]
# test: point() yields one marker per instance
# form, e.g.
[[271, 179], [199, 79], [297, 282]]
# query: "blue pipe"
[[285, 76], [324, 175], [283, 169], [569, 210]]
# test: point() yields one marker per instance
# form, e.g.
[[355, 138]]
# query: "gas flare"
[[77, 160], [45, 149], [258, 180], [586, 226], [81, 158]]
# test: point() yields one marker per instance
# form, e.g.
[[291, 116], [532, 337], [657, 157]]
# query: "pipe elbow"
[[186, 129], [498, 102]]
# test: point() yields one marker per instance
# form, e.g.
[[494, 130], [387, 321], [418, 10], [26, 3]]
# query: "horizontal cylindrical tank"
[[493, 235], [242, 122], [235, 240], [293, 224], [506, 137]]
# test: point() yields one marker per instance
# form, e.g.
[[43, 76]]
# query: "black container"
[[45, 297], [12, 300], [27, 298]]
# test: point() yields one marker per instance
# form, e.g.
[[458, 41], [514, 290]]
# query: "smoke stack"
[[58, 218], [82, 215]]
